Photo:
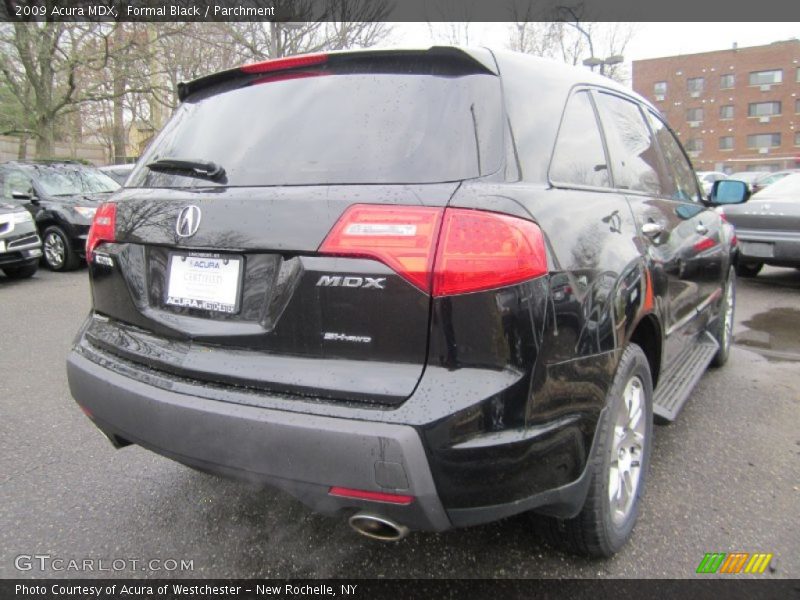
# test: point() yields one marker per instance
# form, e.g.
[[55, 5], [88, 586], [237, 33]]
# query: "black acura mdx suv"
[[417, 289]]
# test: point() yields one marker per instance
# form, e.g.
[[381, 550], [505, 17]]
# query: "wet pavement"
[[724, 477]]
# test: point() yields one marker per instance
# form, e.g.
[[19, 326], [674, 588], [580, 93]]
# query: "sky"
[[650, 40]]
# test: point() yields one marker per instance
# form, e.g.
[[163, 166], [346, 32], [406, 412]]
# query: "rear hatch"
[[294, 270]]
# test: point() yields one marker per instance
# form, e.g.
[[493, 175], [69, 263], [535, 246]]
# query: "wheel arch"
[[648, 335]]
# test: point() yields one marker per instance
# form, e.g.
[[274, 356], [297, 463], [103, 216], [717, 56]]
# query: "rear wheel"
[[617, 470], [58, 253], [748, 269], [21, 272], [723, 326]]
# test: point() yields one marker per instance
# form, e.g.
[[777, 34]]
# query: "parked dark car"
[[416, 289], [768, 227], [118, 173], [63, 197], [20, 246]]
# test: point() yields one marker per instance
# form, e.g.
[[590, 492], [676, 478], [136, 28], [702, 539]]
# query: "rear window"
[[323, 128]]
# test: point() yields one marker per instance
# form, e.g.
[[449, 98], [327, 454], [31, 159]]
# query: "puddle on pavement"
[[775, 334]]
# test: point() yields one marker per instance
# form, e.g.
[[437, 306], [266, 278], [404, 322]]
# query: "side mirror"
[[728, 191], [16, 195]]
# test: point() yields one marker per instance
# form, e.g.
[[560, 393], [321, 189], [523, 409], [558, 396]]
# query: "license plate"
[[757, 249], [207, 282]]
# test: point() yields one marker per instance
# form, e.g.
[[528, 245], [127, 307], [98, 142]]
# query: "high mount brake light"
[[477, 250], [102, 229], [282, 64]]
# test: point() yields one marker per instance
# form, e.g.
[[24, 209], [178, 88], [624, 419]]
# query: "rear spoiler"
[[455, 61]]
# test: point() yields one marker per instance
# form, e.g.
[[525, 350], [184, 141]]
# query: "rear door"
[[669, 222], [304, 268]]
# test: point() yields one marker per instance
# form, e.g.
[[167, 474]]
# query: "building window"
[[726, 142], [726, 112], [660, 89], [763, 109], [766, 77], [694, 145], [694, 114], [764, 140], [797, 106], [797, 75], [797, 138], [695, 85], [726, 82]]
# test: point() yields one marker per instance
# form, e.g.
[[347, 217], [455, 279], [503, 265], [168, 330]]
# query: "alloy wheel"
[[627, 450], [54, 249]]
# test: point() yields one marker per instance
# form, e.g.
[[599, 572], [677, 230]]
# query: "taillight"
[[704, 244], [482, 250], [477, 250], [281, 64], [402, 237], [102, 229]]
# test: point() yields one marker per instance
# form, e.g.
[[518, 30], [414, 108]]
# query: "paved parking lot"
[[724, 478]]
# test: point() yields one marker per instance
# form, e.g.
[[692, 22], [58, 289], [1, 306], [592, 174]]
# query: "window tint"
[[344, 128], [633, 155], [579, 157], [682, 180]]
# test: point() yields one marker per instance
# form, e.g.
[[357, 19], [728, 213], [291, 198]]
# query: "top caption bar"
[[397, 10]]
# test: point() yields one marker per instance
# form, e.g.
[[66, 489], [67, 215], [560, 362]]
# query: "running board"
[[676, 385]]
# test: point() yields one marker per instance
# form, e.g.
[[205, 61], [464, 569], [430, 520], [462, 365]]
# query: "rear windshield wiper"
[[203, 168]]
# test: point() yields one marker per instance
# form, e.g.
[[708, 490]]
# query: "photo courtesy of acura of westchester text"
[[330, 293]]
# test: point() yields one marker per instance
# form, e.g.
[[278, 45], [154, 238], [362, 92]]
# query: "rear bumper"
[[302, 454], [770, 247], [305, 446]]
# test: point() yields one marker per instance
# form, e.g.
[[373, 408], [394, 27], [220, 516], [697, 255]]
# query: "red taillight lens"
[[477, 250], [102, 229], [280, 64], [481, 250], [373, 496], [402, 237]]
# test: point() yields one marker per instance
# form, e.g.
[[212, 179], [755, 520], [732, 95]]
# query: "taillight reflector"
[[343, 492], [402, 237], [280, 64], [704, 244], [477, 250], [103, 227]]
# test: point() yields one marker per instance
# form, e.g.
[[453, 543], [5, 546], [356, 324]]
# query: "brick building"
[[734, 110]]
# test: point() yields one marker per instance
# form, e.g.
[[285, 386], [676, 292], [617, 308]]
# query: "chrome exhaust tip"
[[378, 528]]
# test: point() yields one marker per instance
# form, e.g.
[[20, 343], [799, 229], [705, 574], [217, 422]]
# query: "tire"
[[748, 269], [57, 250], [603, 526], [23, 272], [723, 325]]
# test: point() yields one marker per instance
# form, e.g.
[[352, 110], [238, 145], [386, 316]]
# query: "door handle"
[[701, 229], [652, 229]]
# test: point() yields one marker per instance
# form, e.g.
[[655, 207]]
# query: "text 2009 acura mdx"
[[419, 289]]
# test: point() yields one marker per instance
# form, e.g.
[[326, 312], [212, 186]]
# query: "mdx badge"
[[352, 281], [188, 221]]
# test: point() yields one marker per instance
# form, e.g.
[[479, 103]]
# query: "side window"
[[15, 181], [579, 157], [683, 182], [634, 158]]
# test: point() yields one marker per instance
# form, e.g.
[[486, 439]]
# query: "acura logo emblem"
[[188, 221]]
